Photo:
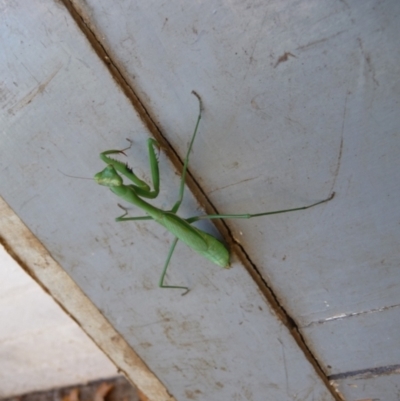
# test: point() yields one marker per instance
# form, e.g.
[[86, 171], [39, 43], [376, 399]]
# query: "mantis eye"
[[108, 177]]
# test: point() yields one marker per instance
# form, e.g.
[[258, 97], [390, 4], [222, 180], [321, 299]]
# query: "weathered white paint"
[[222, 341], [300, 100], [52, 278]]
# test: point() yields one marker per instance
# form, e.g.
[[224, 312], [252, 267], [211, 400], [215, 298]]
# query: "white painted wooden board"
[[33, 257], [328, 122], [60, 108], [274, 134], [301, 98], [379, 385]]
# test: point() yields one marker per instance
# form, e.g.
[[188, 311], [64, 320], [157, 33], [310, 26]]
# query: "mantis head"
[[108, 177]]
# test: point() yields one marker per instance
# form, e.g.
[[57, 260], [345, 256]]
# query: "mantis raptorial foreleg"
[[200, 241], [123, 218]]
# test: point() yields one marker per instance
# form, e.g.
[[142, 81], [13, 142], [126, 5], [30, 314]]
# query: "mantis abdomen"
[[201, 242]]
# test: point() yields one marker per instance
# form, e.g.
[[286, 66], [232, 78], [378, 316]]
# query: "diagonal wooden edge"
[[33, 257]]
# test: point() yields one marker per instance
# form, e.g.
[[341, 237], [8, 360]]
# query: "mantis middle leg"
[[164, 272], [171, 250]]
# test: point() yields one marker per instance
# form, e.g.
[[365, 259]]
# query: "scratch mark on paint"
[[285, 367], [336, 172], [230, 185], [348, 315], [367, 58], [283, 58], [33, 93], [317, 42]]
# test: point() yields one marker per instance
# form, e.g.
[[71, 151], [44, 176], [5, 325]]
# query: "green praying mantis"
[[200, 241]]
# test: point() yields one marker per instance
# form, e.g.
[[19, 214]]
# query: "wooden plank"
[[370, 384], [370, 339], [63, 108], [299, 101], [281, 131], [38, 263]]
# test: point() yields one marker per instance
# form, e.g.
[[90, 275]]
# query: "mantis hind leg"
[[161, 282], [249, 216], [186, 161]]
